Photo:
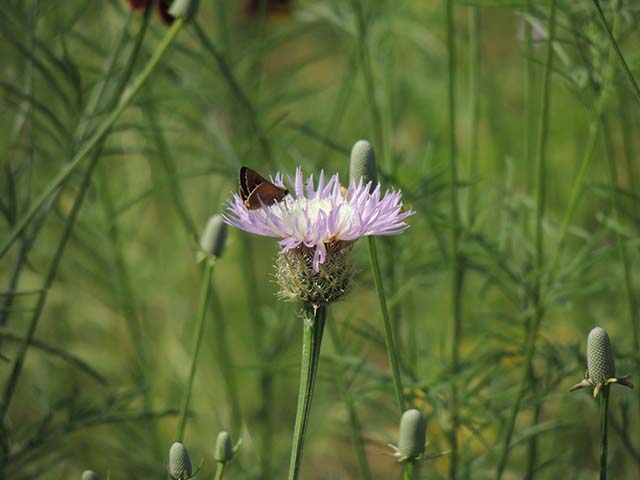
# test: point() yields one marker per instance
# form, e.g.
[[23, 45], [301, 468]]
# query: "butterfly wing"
[[257, 191], [249, 181], [265, 194]]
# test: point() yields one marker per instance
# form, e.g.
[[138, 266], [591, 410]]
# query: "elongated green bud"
[[183, 9], [413, 432], [224, 447], [363, 163], [214, 236], [89, 475], [179, 462], [600, 363]]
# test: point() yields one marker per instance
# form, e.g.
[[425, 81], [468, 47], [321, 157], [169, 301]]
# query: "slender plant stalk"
[[594, 130], [171, 172], [225, 360], [604, 431], [96, 137], [630, 154], [18, 363], [312, 340], [241, 97], [220, 470], [265, 380], [367, 71], [621, 247], [122, 277], [457, 266], [532, 449], [474, 110], [265, 377], [614, 44], [354, 421], [14, 376], [205, 292], [409, 470], [539, 253], [388, 329]]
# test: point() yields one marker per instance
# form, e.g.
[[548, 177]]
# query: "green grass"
[[121, 137]]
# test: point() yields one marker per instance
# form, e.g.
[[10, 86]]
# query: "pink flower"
[[318, 217]]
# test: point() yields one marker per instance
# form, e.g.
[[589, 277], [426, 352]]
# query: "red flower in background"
[[138, 4], [162, 7]]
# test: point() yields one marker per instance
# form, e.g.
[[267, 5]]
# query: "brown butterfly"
[[254, 188]]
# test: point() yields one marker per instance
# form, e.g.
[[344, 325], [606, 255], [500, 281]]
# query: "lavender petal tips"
[[316, 216]]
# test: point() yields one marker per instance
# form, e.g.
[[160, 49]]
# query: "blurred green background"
[[275, 85]]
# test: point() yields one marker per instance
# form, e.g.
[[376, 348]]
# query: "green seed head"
[[214, 236], [179, 462], [363, 163], [89, 475], [224, 447], [183, 8], [413, 431], [600, 363], [300, 282]]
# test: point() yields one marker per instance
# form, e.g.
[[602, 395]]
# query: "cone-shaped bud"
[[214, 236], [600, 361], [224, 447], [183, 8], [363, 163], [413, 431], [179, 462], [89, 475]]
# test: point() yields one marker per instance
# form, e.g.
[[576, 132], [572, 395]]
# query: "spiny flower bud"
[[183, 8], [299, 280], [601, 368], [224, 447], [413, 430], [600, 362], [214, 236], [363, 163], [89, 475], [179, 462]]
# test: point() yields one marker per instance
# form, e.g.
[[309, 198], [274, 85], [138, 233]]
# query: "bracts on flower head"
[[601, 368]]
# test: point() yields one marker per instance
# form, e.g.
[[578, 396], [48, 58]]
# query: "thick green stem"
[[312, 340], [604, 440], [354, 421], [527, 373], [195, 349], [94, 140], [409, 470], [220, 470], [388, 329]]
